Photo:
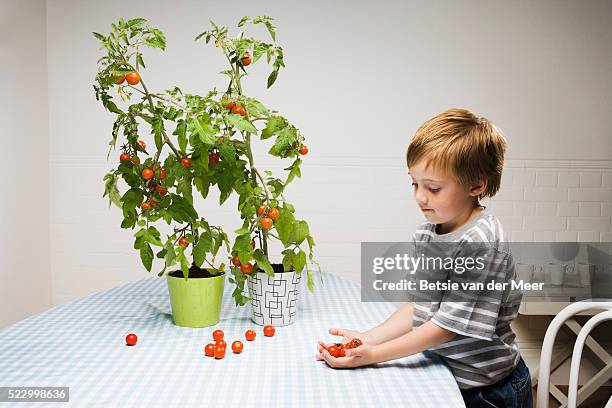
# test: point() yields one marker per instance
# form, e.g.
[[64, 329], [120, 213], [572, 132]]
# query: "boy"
[[455, 159]]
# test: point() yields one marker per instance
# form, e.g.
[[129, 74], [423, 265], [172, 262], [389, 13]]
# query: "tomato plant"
[[202, 142]]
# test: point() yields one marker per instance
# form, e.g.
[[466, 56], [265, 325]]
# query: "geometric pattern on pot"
[[274, 300]]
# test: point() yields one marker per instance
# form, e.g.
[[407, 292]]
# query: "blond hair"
[[460, 143]]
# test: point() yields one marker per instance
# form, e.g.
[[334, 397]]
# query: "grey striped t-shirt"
[[484, 349]]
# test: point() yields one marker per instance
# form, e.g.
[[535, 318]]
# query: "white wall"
[[25, 279]]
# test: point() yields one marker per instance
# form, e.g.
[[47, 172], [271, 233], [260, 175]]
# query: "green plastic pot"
[[196, 302]]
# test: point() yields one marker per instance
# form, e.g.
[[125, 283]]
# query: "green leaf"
[[110, 189], [263, 262], [146, 255], [181, 132], [99, 36], [284, 142], [202, 126], [271, 30], [158, 131], [182, 210], [170, 258], [272, 78], [284, 225], [301, 231], [201, 248], [132, 198], [299, 261], [274, 124], [288, 260], [243, 21], [136, 22], [241, 123]]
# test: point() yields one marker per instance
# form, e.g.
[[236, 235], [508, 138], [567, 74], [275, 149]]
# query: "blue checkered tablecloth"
[[81, 345]]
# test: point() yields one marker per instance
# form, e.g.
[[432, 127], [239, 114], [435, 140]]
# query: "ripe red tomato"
[[161, 190], [304, 150], [341, 351], [209, 350], [125, 157], [219, 352], [133, 78], [353, 344], [221, 343], [227, 104], [145, 205], [247, 268], [162, 173], [274, 213], [237, 347], [266, 223], [120, 79], [186, 162], [147, 174], [246, 59], [250, 335], [269, 330], [131, 339], [236, 261], [142, 144], [239, 110], [213, 158], [218, 335], [184, 242], [333, 351], [262, 209]]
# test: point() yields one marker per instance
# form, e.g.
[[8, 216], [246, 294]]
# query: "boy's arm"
[[396, 325], [420, 339]]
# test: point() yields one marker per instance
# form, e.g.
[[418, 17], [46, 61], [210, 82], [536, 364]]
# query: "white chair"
[[547, 347]]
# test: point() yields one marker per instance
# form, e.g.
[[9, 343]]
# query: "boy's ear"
[[478, 189]]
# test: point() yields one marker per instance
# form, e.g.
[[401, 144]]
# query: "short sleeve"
[[473, 309]]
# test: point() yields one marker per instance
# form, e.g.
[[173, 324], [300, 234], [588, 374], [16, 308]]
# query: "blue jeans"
[[514, 391]]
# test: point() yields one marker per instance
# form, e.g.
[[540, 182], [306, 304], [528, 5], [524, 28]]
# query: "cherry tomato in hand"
[[237, 347], [333, 351], [147, 174], [131, 339], [209, 350], [218, 335], [269, 330], [266, 223], [250, 335], [133, 78]]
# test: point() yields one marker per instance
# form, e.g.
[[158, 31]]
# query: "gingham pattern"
[[82, 345]]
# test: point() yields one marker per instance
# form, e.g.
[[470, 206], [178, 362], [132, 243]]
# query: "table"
[[82, 345]]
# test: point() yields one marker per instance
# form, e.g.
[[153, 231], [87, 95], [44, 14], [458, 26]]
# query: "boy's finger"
[[335, 331]]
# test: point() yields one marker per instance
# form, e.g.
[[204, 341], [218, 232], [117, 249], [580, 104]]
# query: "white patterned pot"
[[274, 300]]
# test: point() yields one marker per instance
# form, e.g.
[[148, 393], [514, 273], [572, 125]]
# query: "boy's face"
[[441, 198]]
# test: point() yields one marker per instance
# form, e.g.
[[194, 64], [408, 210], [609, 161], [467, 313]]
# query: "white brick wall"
[[560, 200]]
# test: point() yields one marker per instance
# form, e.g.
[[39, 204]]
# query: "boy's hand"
[[347, 335], [357, 357]]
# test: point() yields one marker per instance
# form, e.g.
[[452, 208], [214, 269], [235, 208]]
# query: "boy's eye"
[[414, 184], [434, 190]]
